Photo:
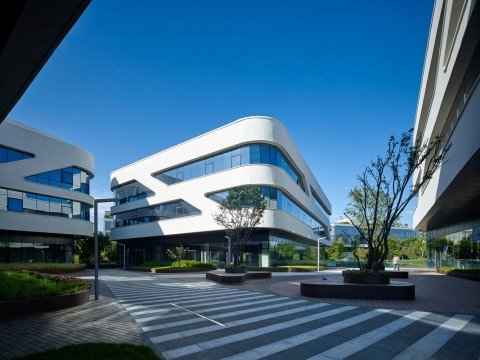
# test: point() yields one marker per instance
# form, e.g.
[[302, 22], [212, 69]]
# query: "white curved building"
[[168, 198], [44, 195], [449, 105]]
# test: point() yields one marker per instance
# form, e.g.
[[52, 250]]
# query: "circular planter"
[[353, 278]]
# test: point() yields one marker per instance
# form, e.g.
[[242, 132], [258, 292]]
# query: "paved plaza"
[[188, 317]]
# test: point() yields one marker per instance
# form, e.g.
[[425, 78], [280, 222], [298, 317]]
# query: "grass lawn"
[[96, 351], [18, 285]]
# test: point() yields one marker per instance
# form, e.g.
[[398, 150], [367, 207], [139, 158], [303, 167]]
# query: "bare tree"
[[239, 213], [385, 190]]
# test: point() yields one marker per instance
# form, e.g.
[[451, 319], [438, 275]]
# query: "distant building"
[[344, 229], [449, 105], [107, 223]]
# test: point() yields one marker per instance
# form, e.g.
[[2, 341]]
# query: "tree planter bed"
[[42, 304], [229, 278], [397, 274], [329, 289], [370, 279]]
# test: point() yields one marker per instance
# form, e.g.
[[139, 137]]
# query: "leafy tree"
[[239, 214], [412, 248], [385, 190], [394, 247], [337, 250], [177, 254], [286, 251], [465, 249], [84, 248]]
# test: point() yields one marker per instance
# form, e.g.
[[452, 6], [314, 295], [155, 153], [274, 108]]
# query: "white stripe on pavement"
[[427, 346], [357, 344], [212, 309], [233, 313], [242, 321], [191, 306], [191, 349], [299, 339], [151, 297]]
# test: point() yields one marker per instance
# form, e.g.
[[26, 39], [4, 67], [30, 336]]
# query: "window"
[[70, 178], [276, 199], [11, 200], [15, 205], [244, 155], [158, 212], [209, 168], [7, 155], [235, 161]]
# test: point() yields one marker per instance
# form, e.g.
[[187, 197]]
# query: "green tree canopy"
[[239, 214]]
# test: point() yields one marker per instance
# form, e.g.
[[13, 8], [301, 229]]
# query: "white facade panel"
[[49, 154], [251, 130]]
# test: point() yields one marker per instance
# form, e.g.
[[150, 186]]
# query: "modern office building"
[[345, 230], [44, 195], [169, 198], [449, 105]]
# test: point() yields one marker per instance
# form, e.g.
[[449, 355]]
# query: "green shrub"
[[475, 272], [27, 284], [43, 267], [365, 272], [231, 269]]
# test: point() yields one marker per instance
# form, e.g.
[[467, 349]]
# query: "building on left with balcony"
[[44, 195]]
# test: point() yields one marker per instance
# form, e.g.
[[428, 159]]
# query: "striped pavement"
[[207, 321]]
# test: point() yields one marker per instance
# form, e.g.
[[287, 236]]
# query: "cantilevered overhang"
[[460, 202], [30, 31]]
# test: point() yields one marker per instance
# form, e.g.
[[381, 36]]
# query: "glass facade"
[[70, 178], [319, 203], [278, 200], [348, 233], [455, 246], [262, 250], [158, 212], [7, 155], [132, 192], [11, 200], [22, 247], [244, 155]]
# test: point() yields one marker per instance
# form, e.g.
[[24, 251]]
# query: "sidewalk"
[[98, 321]]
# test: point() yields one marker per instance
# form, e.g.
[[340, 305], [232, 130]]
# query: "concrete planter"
[[42, 304], [226, 278]]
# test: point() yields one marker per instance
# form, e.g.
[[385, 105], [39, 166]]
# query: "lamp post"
[[95, 235], [124, 251], [229, 250], [318, 252]]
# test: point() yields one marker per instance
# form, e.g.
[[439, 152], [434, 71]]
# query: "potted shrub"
[[365, 277]]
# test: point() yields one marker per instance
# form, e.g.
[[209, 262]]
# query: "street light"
[[124, 251], [95, 235], [318, 252], [229, 250]]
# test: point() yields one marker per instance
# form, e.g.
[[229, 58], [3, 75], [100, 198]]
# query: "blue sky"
[[132, 78]]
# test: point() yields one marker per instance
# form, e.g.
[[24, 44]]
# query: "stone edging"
[[460, 275], [225, 278], [42, 304]]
